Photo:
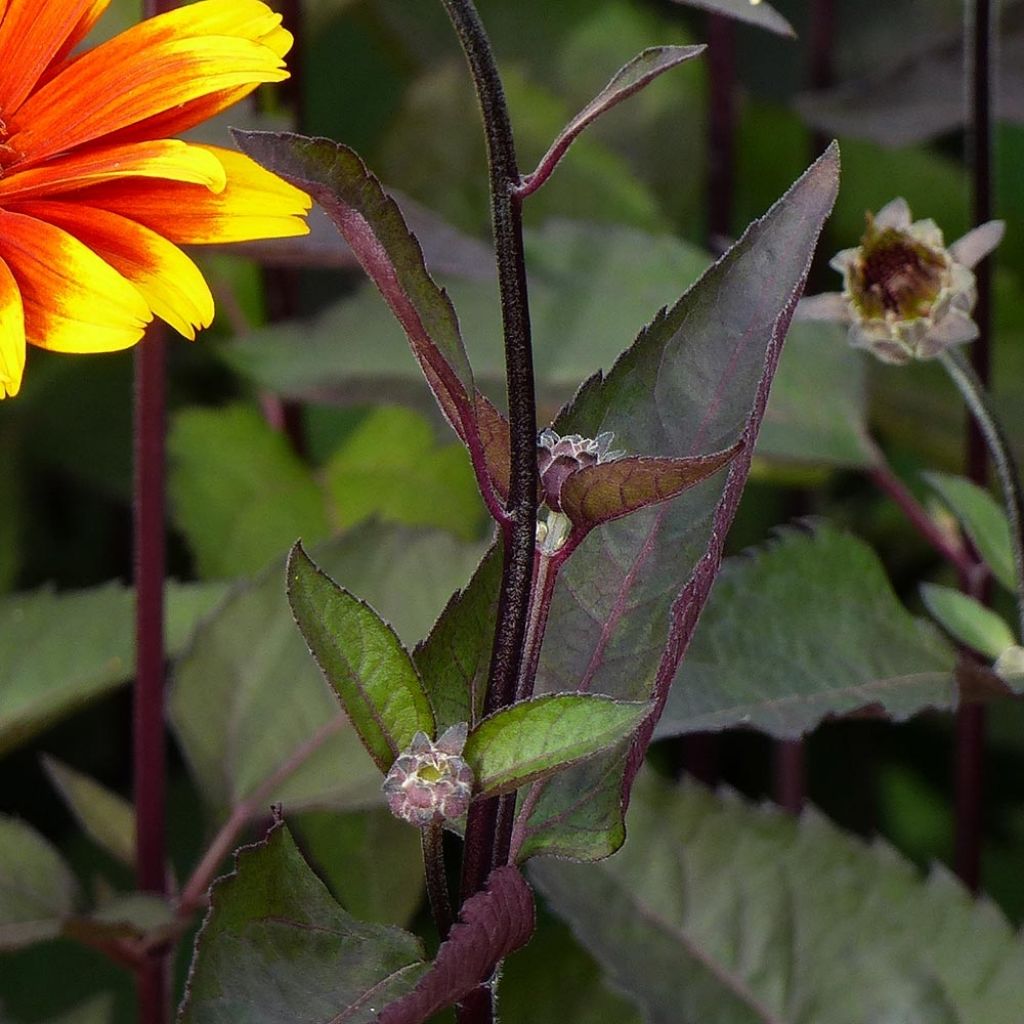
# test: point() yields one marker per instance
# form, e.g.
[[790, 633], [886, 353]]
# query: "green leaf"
[[275, 946], [695, 380], [107, 818], [718, 912], [535, 738], [589, 288], [47, 673], [801, 630], [248, 702], [453, 660], [372, 224], [239, 492], [967, 620], [753, 13], [390, 467], [983, 520], [371, 861], [37, 889], [362, 660]]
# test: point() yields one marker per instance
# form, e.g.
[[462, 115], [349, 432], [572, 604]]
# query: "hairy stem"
[[514, 599], [1006, 468], [432, 844]]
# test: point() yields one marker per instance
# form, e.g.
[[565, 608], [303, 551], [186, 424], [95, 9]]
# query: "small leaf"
[[753, 12], [238, 491], [107, 818], [496, 441], [129, 916], [535, 738], [983, 520], [600, 493], [37, 889], [275, 946], [492, 924], [454, 658], [967, 620], [629, 79], [717, 911], [372, 224], [362, 659]]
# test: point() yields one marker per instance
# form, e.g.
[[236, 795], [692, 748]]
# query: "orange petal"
[[73, 300], [32, 34], [253, 204], [79, 32], [167, 159], [107, 90], [166, 278], [12, 334]]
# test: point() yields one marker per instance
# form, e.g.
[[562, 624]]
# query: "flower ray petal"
[[12, 334], [73, 300], [253, 204], [167, 279], [165, 159]]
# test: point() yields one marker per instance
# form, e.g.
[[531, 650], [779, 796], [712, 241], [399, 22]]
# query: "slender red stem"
[[722, 129], [148, 739], [790, 775]]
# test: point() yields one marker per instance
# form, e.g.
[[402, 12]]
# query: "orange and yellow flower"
[[95, 199]]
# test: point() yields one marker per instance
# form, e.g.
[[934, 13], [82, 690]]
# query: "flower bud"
[[430, 783], [559, 457]]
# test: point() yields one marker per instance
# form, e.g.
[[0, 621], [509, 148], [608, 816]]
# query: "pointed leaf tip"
[[361, 658]]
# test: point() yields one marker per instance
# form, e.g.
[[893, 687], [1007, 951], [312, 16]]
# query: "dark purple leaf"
[[492, 924], [629, 79], [697, 379], [598, 494], [372, 224]]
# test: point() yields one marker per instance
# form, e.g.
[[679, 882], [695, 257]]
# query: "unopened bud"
[[430, 783], [559, 457]]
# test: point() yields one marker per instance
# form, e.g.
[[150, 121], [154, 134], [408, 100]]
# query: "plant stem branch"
[[514, 599], [722, 129], [889, 483], [432, 843], [978, 402]]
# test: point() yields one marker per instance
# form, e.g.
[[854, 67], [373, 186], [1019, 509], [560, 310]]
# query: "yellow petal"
[[73, 300], [167, 279], [12, 334], [168, 159], [253, 204]]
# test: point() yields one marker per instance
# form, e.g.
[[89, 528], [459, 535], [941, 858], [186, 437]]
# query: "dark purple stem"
[[722, 130], [481, 854], [970, 724], [790, 775]]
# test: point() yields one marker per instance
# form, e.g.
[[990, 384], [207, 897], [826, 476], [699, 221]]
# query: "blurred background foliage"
[[618, 232]]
